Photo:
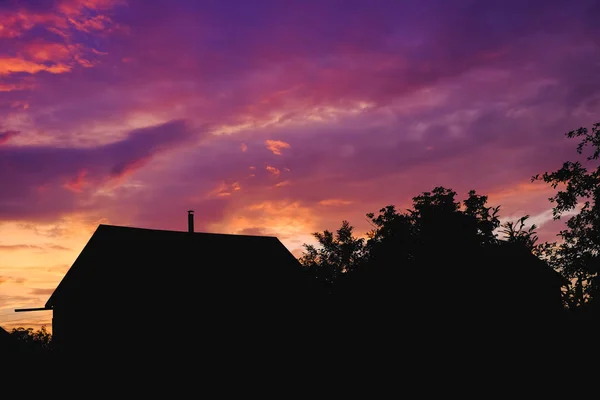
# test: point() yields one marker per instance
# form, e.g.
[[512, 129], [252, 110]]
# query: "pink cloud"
[[276, 146], [6, 136], [78, 183], [273, 170]]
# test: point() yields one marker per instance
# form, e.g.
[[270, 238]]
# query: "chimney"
[[191, 221]]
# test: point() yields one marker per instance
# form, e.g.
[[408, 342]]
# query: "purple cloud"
[[42, 179]]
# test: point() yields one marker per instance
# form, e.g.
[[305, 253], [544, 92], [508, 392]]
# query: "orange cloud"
[[42, 292], [519, 190], [335, 202], [272, 170], [224, 190], [283, 183], [290, 221], [7, 279], [43, 51], [276, 146], [12, 65]]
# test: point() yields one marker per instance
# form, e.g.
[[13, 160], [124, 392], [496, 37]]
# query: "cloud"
[[335, 202], [49, 37], [41, 292], [57, 247], [273, 170], [6, 136], [12, 65], [7, 279], [8, 300], [45, 179], [276, 146], [16, 247], [45, 247], [60, 16]]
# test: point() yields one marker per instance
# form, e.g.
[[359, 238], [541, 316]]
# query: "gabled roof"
[[5, 339], [513, 255], [3, 333], [160, 261]]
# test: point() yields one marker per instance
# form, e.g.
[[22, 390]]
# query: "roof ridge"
[[104, 226]]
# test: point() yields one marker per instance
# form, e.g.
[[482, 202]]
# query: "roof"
[[159, 263], [5, 339], [510, 255], [3, 333]]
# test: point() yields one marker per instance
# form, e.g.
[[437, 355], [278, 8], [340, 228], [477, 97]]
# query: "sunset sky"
[[274, 117]]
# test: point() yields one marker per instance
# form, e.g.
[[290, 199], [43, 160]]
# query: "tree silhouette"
[[393, 234], [486, 218], [32, 345], [40, 339], [434, 218], [337, 253], [516, 232], [441, 257], [577, 256]]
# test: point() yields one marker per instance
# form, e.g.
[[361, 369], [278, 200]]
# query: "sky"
[[274, 117]]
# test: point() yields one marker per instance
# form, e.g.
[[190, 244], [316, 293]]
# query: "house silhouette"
[[7, 345], [220, 290]]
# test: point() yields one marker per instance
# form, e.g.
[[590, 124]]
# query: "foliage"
[[486, 218], [577, 256], [436, 219], [40, 340], [518, 233], [337, 253]]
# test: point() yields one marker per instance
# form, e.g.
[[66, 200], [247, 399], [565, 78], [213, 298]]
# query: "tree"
[[443, 222], [436, 220], [393, 234], [33, 341], [336, 254], [577, 256], [516, 232], [486, 218]]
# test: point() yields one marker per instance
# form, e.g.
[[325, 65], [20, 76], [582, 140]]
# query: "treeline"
[[438, 231], [27, 344]]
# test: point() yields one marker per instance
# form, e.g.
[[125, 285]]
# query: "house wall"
[[68, 328]]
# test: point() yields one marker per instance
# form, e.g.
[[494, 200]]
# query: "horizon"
[[274, 119]]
